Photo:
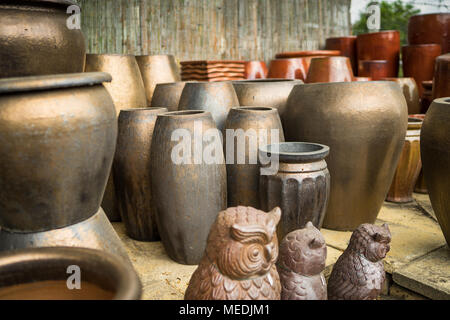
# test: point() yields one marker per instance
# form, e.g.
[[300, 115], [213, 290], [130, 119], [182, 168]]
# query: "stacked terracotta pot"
[[212, 70]]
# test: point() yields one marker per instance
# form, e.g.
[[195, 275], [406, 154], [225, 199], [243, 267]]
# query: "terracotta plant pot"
[[375, 69], [347, 47], [35, 39], [127, 91], [441, 80], [42, 274], [362, 79], [408, 167], [421, 186], [188, 193], [330, 69], [430, 28], [410, 91], [157, 69], [427, 96], [364, 124], [435, 153], [258, 125], [57, 140], [293, 68], [418, 62], [167, 95], [301, 187], [255, 70], [383, 45], [132, 172], [217, 98], [308, 53]]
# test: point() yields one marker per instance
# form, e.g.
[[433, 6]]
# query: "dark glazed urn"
[[364, 124], [247, 129], [441, 80], [435, 153], [189, 190], [44, 274], [132, 172], [35, 39], [301, 187]]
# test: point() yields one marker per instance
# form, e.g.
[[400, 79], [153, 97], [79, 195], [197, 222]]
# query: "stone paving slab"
[[423, 201]]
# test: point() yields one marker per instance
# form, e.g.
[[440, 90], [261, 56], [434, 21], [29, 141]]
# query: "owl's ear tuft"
[[309, 224], [275, 213]]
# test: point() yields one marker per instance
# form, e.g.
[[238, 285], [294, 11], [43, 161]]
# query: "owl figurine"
[[301, 263], [359, 273], [239, 259]]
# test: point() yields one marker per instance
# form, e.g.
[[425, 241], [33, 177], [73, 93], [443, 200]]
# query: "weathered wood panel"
[[212, 29]]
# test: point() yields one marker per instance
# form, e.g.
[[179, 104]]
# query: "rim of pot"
[[422, 45], [267, 80], [50, 263], [373, 61], [185, 113], [430, 14], [144, 109], [307, 53], [378, 32], [443, 100], [350, 83], [125, 55], [342, 37], [297, 151], [254, 109], [57, 81], [154, 55], [414, 123]]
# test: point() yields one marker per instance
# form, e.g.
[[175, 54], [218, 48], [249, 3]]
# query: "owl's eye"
[[255, 252]]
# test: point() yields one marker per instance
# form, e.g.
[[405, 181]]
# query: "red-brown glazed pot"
[[309, 53], [362, 79], [418, 62], [375, 69], [347, 47], [427, 96], [293, 68], [430, 28], [441, 81], [383, 45], [255, 70], [410, 91], [330, 69]]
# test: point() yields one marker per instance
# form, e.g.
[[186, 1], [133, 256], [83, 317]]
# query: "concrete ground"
[[417, 266]]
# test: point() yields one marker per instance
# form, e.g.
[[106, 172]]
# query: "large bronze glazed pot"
[[347, 47], [189, 188], [364, 124], [252, 127], [435, 153], [410, 91], [215, 97], [57, 141], [292, 68], [157, 69], [430, 28], [441, 80], [301, 187], [329, 69], [167, 95], [127, 91], [45, 274], [131, 172], [409, 165], [35, 39]]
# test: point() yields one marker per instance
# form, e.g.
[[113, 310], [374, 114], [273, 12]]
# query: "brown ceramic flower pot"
[[427, 96], [441, 81], [347, 117], [330, 69], [260, 126], [255, 70], [430, 28], [308, 53], [301, 187], [383, 45], [362, 79], [131, 172], [42, 274], [435, 153], [188, 190], [167, 95], [410, 91], [35, 39], [418, 62], [421, 186], [293, 68], [347, 47], [375, 69], [408, 166]]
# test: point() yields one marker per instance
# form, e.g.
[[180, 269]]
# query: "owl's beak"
[[269, 251]]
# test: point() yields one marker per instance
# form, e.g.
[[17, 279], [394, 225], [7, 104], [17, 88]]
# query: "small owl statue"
[[359, 273], [239, 259], [301, 263]]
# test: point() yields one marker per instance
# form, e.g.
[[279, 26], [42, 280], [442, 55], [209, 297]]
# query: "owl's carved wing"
[[293, 288]]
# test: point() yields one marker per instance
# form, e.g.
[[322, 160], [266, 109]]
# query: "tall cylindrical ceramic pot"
[[441, 80], [247, 129], [301, 187], [215, 97], [57, 141], [167, 95], [330, 69], [408, 167], [132, 172], [35, 39], [430, 28], [364, 124], [347, 47], [410, 91], [188, 181], [375, 69], [435, 153]]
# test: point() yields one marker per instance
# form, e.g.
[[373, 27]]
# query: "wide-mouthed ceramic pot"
[[430, 28], [435, 153], [252, 127], [347, 47], [35, 39], [167, 95], [441, 80], [292, 68], [51, 274], [374, 69], [255, 70], [364, 124], [301, 187], [410, 91], [330, 69]]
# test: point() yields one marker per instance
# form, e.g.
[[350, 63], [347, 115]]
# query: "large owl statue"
[[359, 273], [239, 260], [301, 263]]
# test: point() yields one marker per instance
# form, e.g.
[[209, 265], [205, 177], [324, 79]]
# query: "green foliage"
[[394, 16]]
